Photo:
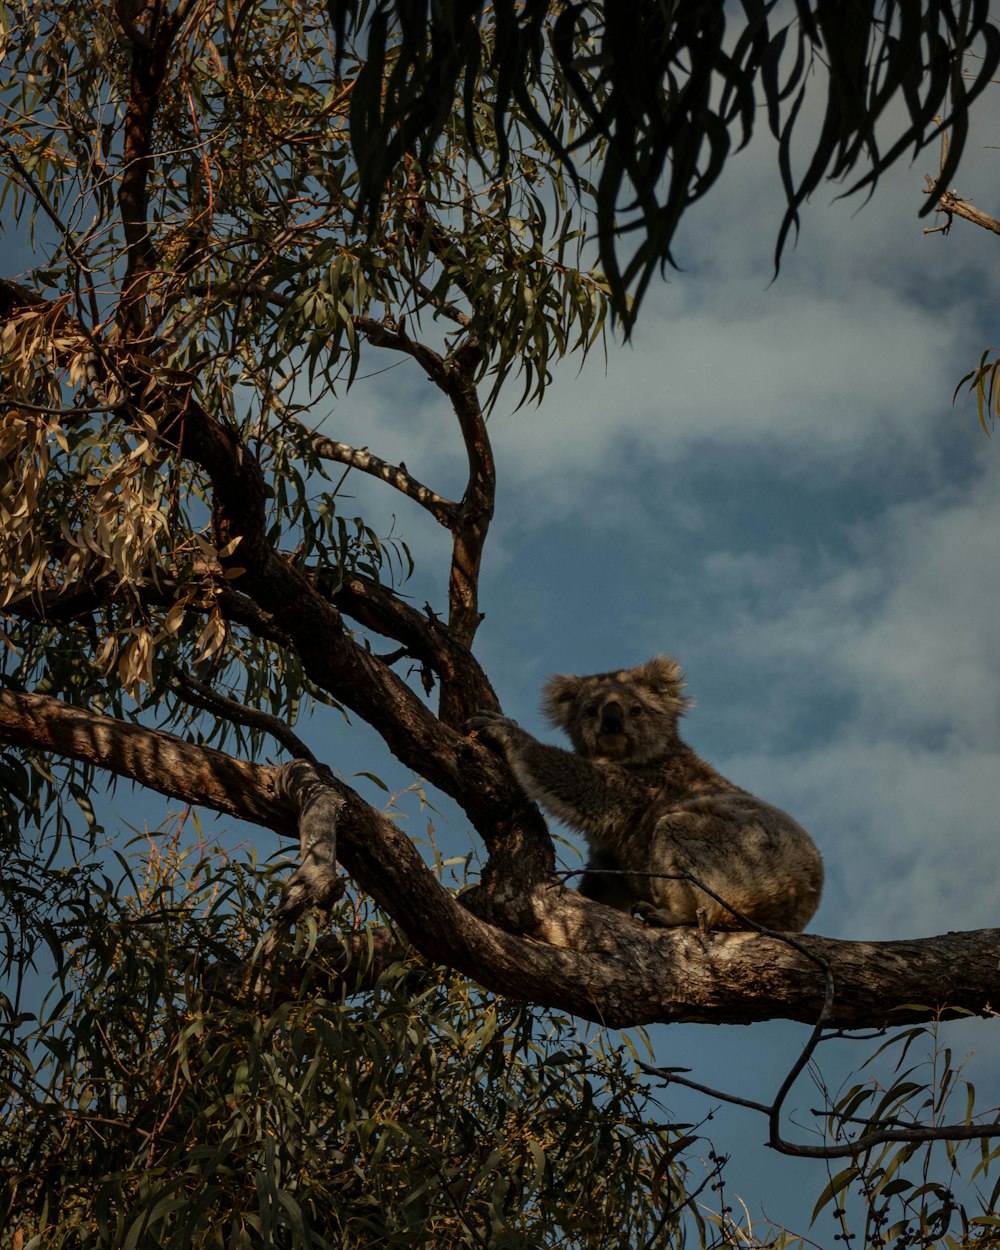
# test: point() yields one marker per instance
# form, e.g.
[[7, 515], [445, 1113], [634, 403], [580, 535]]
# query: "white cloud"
[[902, 791], [907, 620]]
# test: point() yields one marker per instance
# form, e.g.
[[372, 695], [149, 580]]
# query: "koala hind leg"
[[659, 917]]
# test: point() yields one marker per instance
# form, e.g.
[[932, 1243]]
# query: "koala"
[[648, 805]]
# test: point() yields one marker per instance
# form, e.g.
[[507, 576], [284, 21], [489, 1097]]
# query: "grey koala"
[[648, 804]]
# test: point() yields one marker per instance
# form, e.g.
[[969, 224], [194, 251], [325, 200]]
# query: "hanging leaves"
[[672, 89]]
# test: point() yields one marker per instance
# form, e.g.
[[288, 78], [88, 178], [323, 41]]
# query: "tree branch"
[[456, 377], [150, 59], [441, 509], [954, 206], [565, 952], [950, 203], [194, 774], [313, 625], [421, 633], [201, 695]]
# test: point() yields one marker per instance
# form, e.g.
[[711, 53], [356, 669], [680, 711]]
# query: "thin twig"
[[201, 695]]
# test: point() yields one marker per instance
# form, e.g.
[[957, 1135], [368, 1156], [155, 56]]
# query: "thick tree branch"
[[604, 966], [160, 761], [570, 953]]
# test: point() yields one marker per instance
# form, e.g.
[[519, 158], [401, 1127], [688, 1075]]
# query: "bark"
[[546, 944], [150, 33], [951, 203], [160, 761]]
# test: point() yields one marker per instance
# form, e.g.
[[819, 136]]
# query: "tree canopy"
[[230, 214], [670, 91]]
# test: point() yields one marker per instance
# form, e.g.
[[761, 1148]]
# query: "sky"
[[771, 483]]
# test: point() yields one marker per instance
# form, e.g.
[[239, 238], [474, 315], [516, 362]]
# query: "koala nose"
[[612, 719]]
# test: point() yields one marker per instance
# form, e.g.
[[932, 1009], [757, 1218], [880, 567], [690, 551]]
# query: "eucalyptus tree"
[[205, 273]]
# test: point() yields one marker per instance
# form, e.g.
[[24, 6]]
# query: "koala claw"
[[652, 916], [483, 721]]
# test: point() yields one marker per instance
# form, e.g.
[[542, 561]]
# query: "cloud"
[[901, 788]]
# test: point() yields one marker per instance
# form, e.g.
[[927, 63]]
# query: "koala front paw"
[[491, 727]]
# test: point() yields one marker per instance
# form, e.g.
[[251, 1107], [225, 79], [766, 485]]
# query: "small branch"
[[392, 335], [422, 228], [475, 515], [421, 634], [79, 261], [951, 204], [773, 1112], [469, 520], [850, 1150], [203, 696], [442, 509], [847, 1150], [672, 1076]]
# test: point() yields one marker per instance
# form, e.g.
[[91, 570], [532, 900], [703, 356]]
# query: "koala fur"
[[648, 804]]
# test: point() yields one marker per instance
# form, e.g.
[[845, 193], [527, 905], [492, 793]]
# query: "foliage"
[[258, 299], [142, 1107], [699, 75], [984, 383], [907, 1195], [140, 1112]]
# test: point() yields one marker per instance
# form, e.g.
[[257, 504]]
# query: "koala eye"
[[590, 711], [636, 710]]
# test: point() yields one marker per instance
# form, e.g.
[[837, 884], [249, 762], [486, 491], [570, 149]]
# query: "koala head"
[[629, 715]]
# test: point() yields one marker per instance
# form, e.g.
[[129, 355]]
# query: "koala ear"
[[558, 696], [662, 675]]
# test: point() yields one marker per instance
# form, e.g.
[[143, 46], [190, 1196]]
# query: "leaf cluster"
[[259, 297], [672, 90], [912, 1195], [140, 1110]]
